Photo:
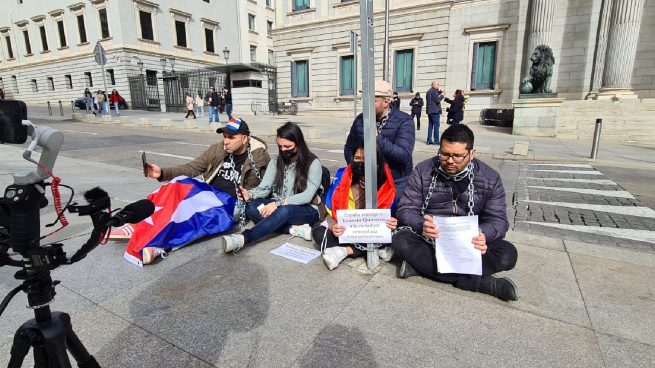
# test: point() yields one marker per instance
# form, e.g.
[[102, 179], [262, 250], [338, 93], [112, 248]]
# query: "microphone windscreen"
[[95, 194], [140, 210]]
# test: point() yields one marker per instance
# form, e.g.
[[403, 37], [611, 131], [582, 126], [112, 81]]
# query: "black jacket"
[[395, 141], [417, 105], [489, 199], [455, 110]]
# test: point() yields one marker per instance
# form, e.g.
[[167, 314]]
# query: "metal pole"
[[594, 147], [354, 45], [385, 61], [104, 82], [368, 109]]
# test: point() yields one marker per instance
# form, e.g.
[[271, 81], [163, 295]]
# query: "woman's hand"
[[480, 243], [392, 223], [268, 209], [243, 194], [338, 230], [429, 227]]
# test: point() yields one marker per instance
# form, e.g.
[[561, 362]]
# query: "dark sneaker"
[[406, 270], [502, 288]]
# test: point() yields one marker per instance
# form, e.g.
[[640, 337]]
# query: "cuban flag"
[[185, 209]]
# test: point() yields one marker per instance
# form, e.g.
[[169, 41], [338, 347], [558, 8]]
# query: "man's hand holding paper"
[[454, 237]]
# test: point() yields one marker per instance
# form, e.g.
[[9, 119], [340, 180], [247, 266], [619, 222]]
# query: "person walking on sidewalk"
[[115, 98], [455, 183], [433, 108], [395, 136], [213, 105], [286, 197], [88, 100], [417, 106], [227, 100], [189, 106], [347, 193], [200, 102], [456, 108]]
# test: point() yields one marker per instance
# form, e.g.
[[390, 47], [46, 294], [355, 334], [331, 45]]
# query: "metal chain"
[[471, 190], [383, 122], [236, 179]]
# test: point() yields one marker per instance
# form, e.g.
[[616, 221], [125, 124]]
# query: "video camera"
[[20, 231]]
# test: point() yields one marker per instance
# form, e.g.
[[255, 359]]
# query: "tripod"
[[49, 334]]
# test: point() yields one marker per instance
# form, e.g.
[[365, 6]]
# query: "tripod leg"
[[23, 340], [75, 346]]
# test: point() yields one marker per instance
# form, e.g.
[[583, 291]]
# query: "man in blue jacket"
[[442, 186], [433, 99], [395, 136]]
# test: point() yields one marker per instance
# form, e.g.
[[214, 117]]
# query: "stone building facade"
[[46, 47], [603, 49]]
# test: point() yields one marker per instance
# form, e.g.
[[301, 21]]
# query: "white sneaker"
[[386, 253], [333, 256], [233, 242], [302, 231], [149, 254]]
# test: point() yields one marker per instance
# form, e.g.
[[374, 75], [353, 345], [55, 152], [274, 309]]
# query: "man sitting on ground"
[[454, 183]]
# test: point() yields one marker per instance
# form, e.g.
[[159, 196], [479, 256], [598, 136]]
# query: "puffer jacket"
[[210, 161], [489, 199], [395, 141]]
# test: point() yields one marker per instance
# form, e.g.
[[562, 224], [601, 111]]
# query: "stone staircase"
[[626, 121]]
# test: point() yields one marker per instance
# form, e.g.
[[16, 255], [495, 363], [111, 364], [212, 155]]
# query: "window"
[[269, 27], [209, 40], [247, 83], [88, 80], [62, 33], [300, 78], [207, 1], [300, 4], [251, 22], [104, 23], [14, 83], [146, 25], [51, 84], [253, 53], [81, 28], [403, 75], [69, 81], [180, 32], [10, 51], [346, 80], [44, 38], [271, 57], [151, 77], [269, 3], [110, 76], [483, 69], [28, 46], [35, 87]]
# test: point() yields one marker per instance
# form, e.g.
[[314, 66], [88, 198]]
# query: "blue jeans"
[[228, 110], [433, 126], [279, 221], [213, 114], [116, 108]]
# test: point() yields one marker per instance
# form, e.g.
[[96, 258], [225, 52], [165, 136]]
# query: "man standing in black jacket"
[[454, 183], [433, 108], [417, 105]]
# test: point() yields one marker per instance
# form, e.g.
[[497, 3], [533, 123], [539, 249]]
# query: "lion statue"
[[541, 71]]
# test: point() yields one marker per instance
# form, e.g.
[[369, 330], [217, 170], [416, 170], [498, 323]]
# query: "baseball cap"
[[234, 126]]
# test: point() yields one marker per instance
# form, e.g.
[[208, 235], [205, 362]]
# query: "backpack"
[[322, 191]]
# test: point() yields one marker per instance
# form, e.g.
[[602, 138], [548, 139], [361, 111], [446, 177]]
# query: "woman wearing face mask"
[[347, 192], [287, 194]]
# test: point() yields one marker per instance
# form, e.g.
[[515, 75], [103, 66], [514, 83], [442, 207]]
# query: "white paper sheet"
[[296, 253], [455, 251], [364, 226]]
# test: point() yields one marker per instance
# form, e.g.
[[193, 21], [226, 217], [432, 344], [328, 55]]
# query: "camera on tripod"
[[50, 334]]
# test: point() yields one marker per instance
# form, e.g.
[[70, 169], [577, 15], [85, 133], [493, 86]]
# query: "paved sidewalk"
[[581, 304]]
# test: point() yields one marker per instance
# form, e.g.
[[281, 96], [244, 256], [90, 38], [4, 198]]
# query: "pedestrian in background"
[[227, 100], [395, 101], [115, 98], [417, 106], [213, 105], [456, 108], [189, 106], [200, 102], [88, 100], [433, 108]]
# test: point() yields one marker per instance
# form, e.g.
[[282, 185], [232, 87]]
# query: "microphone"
[[132, 213]]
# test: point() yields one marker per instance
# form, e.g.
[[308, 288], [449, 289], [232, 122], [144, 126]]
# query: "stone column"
[[540, 29], [601, 48], [621, 49]]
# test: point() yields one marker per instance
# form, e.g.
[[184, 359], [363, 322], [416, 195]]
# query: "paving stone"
[[619, 352]]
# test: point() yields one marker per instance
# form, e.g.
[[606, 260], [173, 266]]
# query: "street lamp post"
[[226, 54], [172, 61]]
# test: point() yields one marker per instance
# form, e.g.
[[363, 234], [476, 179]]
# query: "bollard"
[[49, 108], [61, 109], [372, 258], [594, 147], [73, 106]]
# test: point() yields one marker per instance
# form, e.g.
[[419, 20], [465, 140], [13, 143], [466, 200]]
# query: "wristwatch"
[[278, 202]]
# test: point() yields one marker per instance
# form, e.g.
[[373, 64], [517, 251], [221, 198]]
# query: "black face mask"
[[287, 155], [358, 169]]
